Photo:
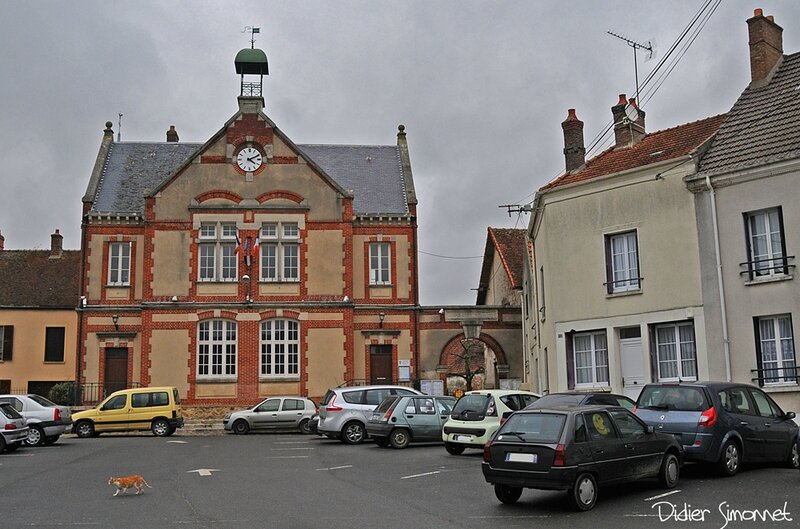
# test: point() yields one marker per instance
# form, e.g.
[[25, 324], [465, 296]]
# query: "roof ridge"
[[343, 145]]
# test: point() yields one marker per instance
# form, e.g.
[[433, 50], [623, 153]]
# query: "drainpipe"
[[526, 360], [725, 342]]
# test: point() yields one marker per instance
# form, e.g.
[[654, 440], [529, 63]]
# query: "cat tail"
[[146, 483]]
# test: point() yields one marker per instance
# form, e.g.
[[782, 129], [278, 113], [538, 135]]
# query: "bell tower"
[[251, 62]]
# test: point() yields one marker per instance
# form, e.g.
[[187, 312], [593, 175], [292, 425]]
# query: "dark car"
[[721, 422], [577, 399], [577, 449], [400, 420]]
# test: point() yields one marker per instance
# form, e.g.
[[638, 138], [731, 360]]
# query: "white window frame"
[[781, 343], [625, 276], [681, 349], [280, 349], [772, 263], [279, 252], [119, 264], [217, 349], [217, 260], [598, 365], [380, 263]]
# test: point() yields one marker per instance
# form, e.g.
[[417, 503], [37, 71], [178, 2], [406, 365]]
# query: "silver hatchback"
[[13, 430], [273, 413], [344, 412]]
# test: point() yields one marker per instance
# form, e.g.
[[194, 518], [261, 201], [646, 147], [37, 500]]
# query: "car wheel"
[[399, 438], [160, 428], [241, 427], [35, 436], [85, 429], [794, 458], [507, 494], [730, 460], [383, 442], [583, 494], [51, 439], [454, 449], [670, 471], [353, 433], [305, 427]]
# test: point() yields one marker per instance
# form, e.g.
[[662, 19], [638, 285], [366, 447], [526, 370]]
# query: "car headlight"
[[227, 416]]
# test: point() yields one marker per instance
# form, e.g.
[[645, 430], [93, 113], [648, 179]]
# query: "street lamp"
[[115, 319]]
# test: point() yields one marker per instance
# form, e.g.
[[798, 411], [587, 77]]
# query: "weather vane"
[[253, 31]]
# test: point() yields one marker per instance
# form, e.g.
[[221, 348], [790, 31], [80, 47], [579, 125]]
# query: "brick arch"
[[454, 345], [218, 193], [272, 195]]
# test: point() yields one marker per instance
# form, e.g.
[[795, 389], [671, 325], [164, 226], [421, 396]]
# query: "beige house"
[[748, 210], [38, 321], [616, 271]]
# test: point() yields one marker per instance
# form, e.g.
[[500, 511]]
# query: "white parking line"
[[285, 449], [509, 517], [420, 475], [663, 495], [18, 455], [286, 457], [336, 468]]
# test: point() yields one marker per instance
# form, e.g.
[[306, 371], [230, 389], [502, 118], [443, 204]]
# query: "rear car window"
[[353, 397], [387, 404], [471, 403], [534, 427], [42, 401], [673, 398], [559, 400], [14, 403], [146, 400], [327, 399], [9, 412], [175, 396]]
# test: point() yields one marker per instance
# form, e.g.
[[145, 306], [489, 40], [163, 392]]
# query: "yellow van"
[[156, 409]]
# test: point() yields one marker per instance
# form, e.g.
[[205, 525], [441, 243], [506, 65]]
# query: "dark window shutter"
[[651, 329], [54, 344], [748, 246], [570, 360], [784, 262], [8, 342], [759, 365], [609, 271]]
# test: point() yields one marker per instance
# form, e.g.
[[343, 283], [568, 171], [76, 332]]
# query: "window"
[[766, 248], [676, 352], [119, 263], [54, 344], [775, 341], [217, 252], [147, 400], [280, 348], [735, 400], [6, 342], [379, 263], [599, 426], [116, 403], [580, 430], [269, 405], [622, 262], [628, 425], [591, 358], [280, 252], [216, 354], [293, 405]]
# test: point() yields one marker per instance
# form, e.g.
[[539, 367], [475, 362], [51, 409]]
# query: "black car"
[[723, 423], [577, 399], [577, 449]]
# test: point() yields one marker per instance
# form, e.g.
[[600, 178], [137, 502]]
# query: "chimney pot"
[[766, 45], [56, 245], [2, 242], [758, 12], [622, 100], [771, 18], [574, 150], [627, 132], [172, 134]]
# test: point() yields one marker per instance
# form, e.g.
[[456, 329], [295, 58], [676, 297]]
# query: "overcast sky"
[[481, 87]]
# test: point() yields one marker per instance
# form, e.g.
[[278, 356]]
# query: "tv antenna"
[[517, 208], [649, 46]]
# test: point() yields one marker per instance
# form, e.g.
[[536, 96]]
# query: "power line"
[[451, 256]]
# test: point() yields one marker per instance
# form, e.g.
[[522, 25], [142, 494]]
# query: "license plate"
[[513, 457], [462, 438]]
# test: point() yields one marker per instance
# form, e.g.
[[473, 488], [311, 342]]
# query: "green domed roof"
[[251, 61]]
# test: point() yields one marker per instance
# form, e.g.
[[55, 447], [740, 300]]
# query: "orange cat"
[[123, 484]]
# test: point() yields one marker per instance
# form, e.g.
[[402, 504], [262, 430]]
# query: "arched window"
[[280, 349], [216, 349]]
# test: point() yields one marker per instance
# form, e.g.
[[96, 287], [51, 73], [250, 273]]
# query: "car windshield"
[[673, 398], [533, 427], [471, 404], [41, 400]]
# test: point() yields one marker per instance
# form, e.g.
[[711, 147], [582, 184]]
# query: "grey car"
[[400, 420], [344, 412], [46, 420], [13, 430], [273, 413], [723, 423]]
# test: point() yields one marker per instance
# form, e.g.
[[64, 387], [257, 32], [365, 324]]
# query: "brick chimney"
[[56, 245], [766, 45], [172, 135], [574, 150], [2, 242], [626, 132]]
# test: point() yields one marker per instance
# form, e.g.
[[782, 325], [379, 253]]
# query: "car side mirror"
[[650, 429], [789, 415]]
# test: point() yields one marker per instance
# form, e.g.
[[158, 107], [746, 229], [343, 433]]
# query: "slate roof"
[[31, 279], [655, 147], [510, 246], [131, 169], [762, 127]]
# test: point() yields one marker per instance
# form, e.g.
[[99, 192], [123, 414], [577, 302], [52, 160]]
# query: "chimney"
[[766, 45], [172, 135], [56, 245], [628, 122], [2, 242], [574, 150]]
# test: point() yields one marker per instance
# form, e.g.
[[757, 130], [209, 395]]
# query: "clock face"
[[249, 159]]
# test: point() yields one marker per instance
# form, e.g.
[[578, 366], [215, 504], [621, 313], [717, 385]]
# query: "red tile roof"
[[31, 279], [655, 147], [510, 246]]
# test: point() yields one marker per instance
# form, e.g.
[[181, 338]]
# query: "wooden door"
[[380, 364], [116, 372]]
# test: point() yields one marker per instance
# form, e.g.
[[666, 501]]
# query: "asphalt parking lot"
[[296, 481]]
